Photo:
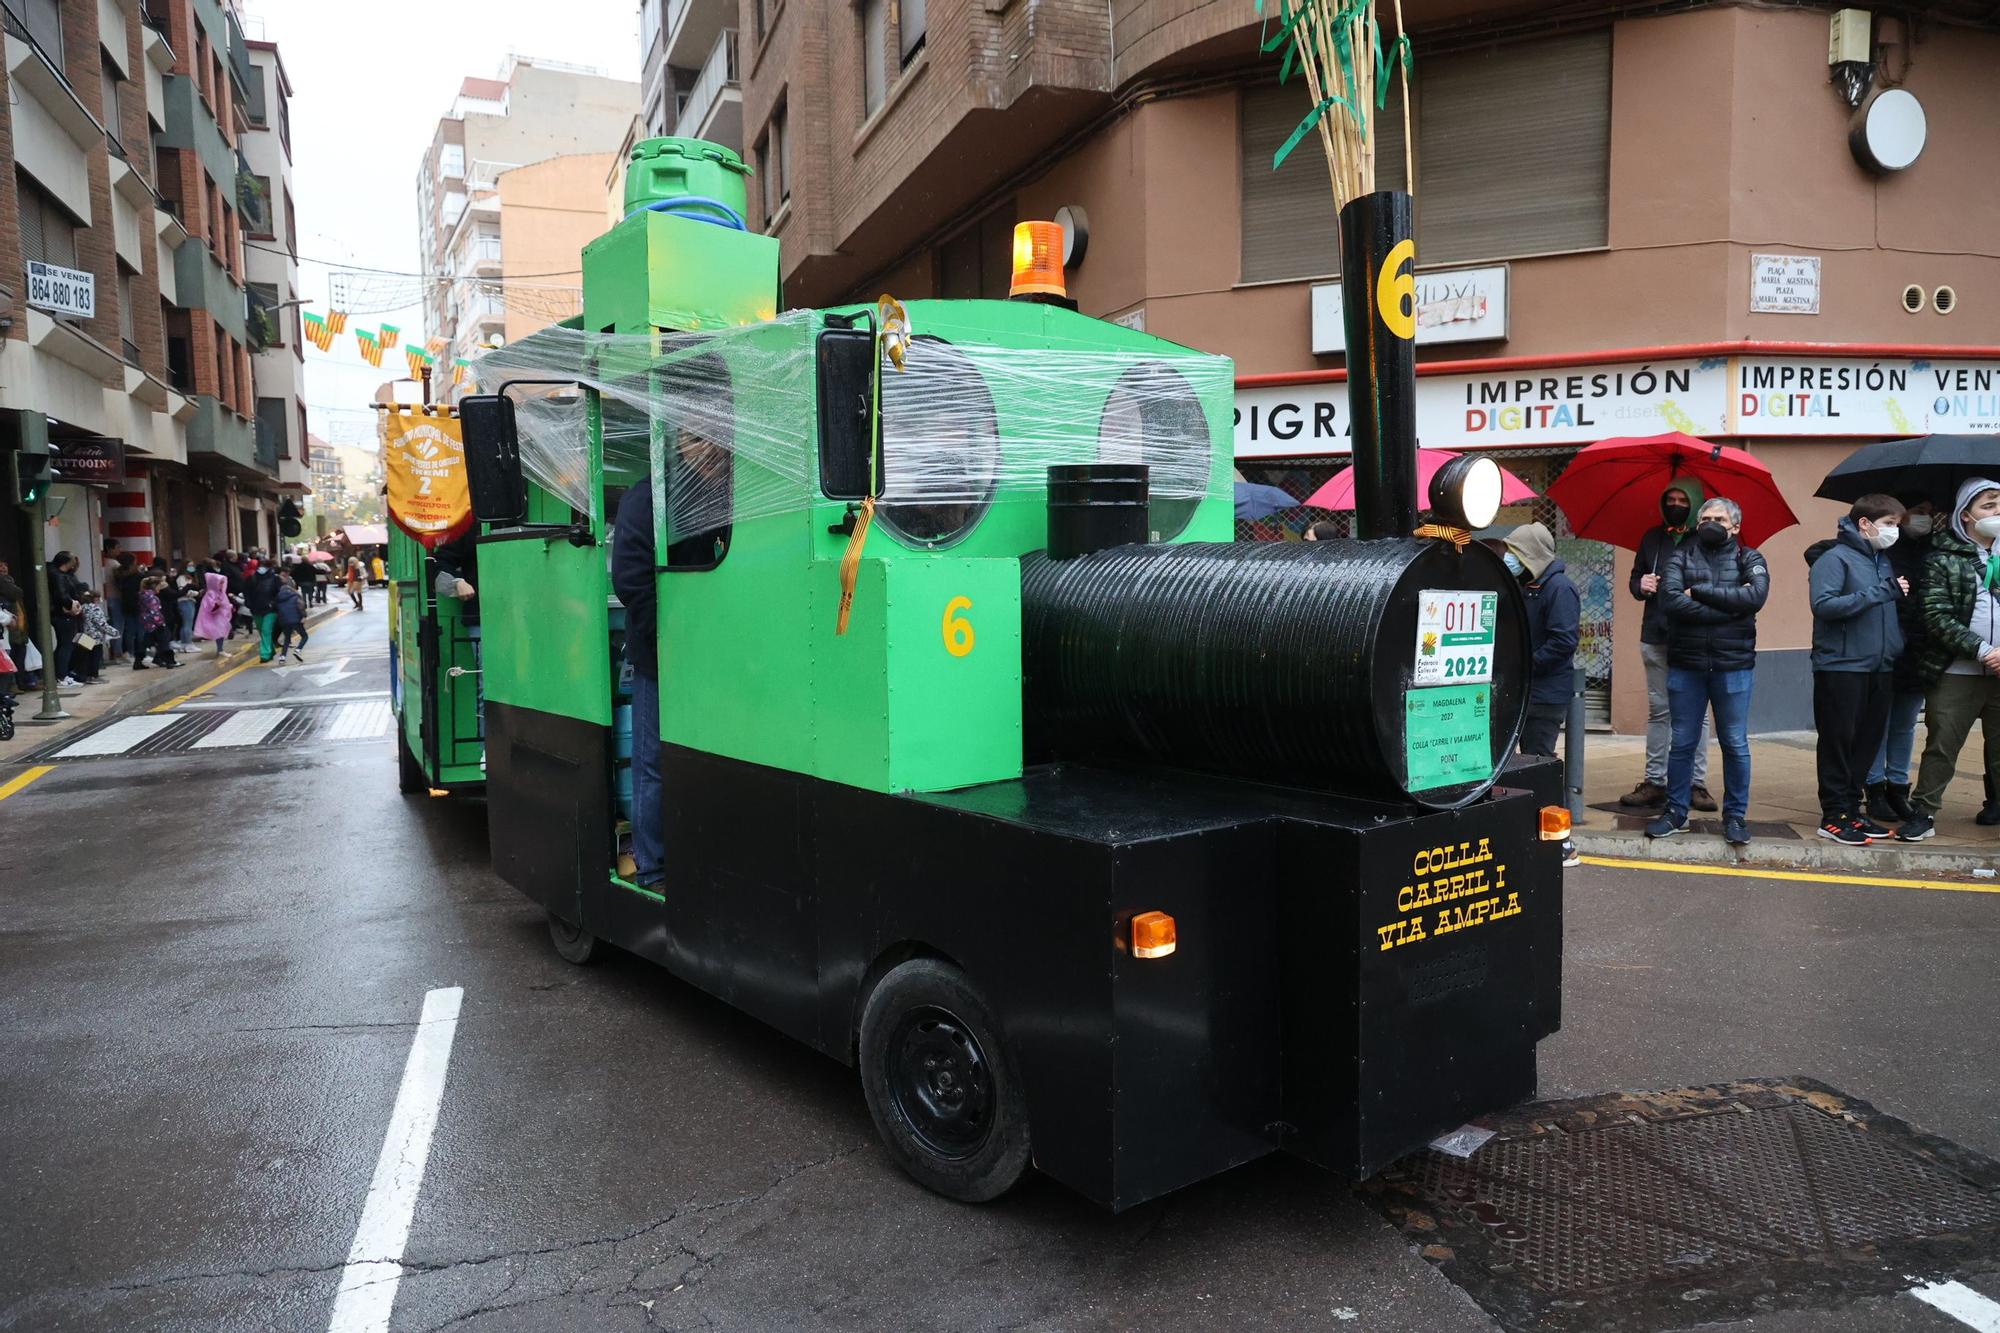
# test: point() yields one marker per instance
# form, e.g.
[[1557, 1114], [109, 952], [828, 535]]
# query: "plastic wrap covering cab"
[[1286, 663]]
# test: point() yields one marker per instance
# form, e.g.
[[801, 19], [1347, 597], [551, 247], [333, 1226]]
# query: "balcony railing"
[[718, 77]]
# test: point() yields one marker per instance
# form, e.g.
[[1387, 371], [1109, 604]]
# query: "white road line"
[[355, 722], [243, 729], [1962, 1303], [289, 701], [119, 737], [375, 1260]]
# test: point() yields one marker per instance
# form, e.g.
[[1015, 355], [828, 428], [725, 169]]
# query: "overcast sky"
[[370, 78]]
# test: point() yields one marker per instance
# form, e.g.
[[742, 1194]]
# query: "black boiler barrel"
[[1293, 663]]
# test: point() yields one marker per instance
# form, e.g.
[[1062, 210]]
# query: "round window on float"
[[940, 447], [1153, 416]]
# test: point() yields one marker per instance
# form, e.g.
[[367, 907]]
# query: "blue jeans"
[[649, 844], [1691, 694], [1892, 757]]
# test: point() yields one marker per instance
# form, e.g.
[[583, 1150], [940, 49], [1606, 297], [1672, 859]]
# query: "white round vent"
[[1914, 298], [1887, 132], [1944, 300]]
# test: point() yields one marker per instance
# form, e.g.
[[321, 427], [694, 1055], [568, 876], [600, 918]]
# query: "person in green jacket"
[[1960, 665]]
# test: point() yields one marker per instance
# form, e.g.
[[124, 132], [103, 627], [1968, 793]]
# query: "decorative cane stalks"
[[1337, 45]]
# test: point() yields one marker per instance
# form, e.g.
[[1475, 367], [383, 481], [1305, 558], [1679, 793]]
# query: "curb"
[[1814, 854]]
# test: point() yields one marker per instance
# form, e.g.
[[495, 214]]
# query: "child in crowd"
[[87, 668], [152, 626], [291, 618]]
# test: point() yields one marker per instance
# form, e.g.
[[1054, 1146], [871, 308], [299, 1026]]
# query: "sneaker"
[[1667, 825], [298, 656], [1916, 828], [1736, 831], [1571, 857], [1643, 795], [1869, 826], [1843, 829], [1699, 798], [68, 683]]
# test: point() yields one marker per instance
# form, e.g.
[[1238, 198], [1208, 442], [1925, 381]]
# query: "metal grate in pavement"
[[1658, 1210]]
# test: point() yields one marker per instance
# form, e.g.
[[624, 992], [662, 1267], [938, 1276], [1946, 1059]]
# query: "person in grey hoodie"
[[1857, 636]]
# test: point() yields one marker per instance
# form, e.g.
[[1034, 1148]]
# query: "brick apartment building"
[[1598, 188], [121, 126]]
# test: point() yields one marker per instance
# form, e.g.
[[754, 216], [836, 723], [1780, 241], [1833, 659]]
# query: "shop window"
[[1489, 186]]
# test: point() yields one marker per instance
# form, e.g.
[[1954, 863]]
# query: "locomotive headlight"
[[1465, 492]]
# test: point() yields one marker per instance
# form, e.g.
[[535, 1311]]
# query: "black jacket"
[[634, 577], [1655, 549], [1712, 599], [64, 588], [1555, 622], [261, 597]]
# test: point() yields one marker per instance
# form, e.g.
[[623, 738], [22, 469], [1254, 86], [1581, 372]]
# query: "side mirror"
[[493, 459], [848, 449]]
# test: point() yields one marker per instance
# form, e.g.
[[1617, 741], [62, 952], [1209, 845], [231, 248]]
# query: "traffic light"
[[34, 473]]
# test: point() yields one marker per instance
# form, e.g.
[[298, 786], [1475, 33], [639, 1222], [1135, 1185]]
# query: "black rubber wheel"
[[574, 943], [945, 1096], [410, 776]]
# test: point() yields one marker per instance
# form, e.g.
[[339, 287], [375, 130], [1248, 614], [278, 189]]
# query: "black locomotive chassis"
[[1351, 979]]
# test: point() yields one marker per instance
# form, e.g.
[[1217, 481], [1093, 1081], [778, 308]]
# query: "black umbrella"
[[1931, 466]]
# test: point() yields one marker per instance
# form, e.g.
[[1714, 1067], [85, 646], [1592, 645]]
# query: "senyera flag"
[[429, 495]]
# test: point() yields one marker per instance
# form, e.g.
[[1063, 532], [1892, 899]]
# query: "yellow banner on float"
[[429, 495]]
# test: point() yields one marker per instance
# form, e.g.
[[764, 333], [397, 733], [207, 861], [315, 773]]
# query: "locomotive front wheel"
[[410, 777], [573, 943], [945, 1096]]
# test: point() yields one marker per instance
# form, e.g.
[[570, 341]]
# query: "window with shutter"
[[48, 233], [1512, 158]]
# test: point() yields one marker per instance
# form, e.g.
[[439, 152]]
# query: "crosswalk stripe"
[[360, 721], [119, 737], [243, 729]]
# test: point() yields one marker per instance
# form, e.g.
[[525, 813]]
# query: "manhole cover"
[[1655, 1210]]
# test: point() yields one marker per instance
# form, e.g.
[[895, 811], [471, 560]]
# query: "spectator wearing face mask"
[[1713, 588], [1889, 778], [1856, 640], [1656, 548], [1960, 663]]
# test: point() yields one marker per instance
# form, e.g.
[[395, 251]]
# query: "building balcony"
[[203, 284], [714, 107], [191, 125], [220, 439], [692, 27]]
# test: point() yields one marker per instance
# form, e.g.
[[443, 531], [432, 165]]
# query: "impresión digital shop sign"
[[1728, 396]]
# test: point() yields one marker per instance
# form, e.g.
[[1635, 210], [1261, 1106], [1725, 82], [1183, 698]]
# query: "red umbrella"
[[1338, 493], [1611, 490]]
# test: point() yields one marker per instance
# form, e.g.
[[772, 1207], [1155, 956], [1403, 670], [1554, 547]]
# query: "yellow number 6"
[[958, 636], [1396, 291]]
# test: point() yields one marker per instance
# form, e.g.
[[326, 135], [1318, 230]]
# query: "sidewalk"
[[1784, 814], [128, 691]]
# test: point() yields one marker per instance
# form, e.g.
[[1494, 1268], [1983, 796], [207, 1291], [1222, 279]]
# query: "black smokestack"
[[1377, 269]]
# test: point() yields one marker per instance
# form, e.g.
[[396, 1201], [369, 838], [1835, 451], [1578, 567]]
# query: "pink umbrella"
[[1338, 493]]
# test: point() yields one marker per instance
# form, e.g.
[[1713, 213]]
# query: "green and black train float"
[[1098, 841]]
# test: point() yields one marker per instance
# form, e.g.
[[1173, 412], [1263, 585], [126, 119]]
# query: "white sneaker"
[[66, 683]]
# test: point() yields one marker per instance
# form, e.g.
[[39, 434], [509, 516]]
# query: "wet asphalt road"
[[214, 960]]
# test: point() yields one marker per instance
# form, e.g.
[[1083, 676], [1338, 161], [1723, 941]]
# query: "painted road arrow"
[[329, 673]]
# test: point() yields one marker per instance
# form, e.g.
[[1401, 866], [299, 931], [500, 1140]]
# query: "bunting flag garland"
[[371, 349], [419, 360], [436, 346], [315, 329], [388, 336], [336, 320], [460, 369]]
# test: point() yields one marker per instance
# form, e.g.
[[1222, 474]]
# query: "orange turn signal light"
[[1555, 823], [1038, 260], [1153, 935]]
